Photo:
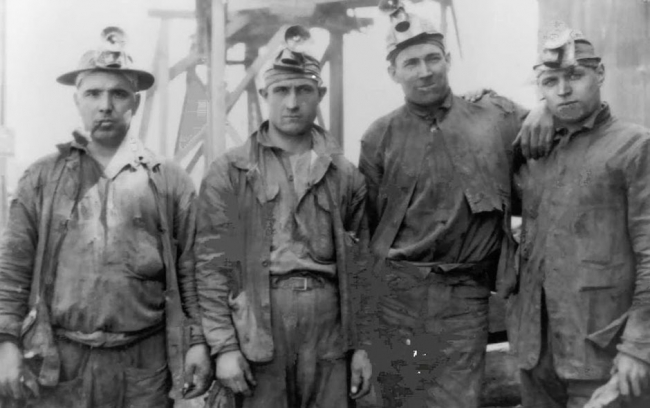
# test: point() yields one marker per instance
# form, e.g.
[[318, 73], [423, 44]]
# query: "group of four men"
[[299, 275]]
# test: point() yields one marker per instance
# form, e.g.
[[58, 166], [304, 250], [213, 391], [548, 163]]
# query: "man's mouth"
[[427, 87]]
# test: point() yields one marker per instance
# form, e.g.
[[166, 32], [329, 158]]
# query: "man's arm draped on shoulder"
[[217, 224], [635, 340], [17, 252]]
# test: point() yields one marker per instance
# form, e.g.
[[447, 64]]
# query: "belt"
[[100, 339], [300, 281]]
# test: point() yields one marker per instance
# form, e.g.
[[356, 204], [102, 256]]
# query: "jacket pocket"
[[595, 234]]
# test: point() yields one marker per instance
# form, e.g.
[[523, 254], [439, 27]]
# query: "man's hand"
[[633, 375], [198, 371], [361, 371], [477, 94], [11, 372], [233, 372], [537, 132]]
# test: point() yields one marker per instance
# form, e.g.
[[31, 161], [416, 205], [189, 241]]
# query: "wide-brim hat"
[[109, 57]]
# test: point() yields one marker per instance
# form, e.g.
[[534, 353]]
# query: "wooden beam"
[[163, 85], [215, 137], [336, 86], [195, 160], [149, 94], [252, 100], [191, 144], [255, 67], [167, 14], [183, 65]]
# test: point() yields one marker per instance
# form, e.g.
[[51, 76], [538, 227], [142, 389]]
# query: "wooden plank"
[[336, 87], [147, 108], [195, 160], [163, 84], [215, 137], [252, 99], [191, 144], [183, 65], [168, 14]]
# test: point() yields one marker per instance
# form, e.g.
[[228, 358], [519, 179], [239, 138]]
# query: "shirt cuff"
[[640, 350], [4, 338]]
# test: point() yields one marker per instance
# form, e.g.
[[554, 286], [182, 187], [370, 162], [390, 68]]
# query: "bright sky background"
[[46, 38]]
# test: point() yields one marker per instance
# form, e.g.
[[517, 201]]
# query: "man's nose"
[[291, 101], [424, 70], [105, 103], [564, 88]]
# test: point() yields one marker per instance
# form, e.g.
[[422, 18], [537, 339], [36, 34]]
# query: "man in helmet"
[[582, 314], [438, 171], [96, 260], [281, 223]]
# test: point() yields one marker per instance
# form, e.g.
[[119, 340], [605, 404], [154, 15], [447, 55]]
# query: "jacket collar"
[[431, 113], [131, 153], [597, 118], [323, 145]]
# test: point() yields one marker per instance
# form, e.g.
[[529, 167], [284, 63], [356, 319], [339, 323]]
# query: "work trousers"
[[542, 387], [309, 368], [431, 344], [130, 376]]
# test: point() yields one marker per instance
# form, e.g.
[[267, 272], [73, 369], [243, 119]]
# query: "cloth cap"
[[293, 65], [110, 56], [563, 47]]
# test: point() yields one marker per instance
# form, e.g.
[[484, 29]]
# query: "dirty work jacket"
[[234, 237], [38, 218], [586, 244], [477, 139]]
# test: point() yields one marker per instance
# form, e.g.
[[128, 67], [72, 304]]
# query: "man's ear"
[[75, 97], [322, 90], [392, 71], [264, 93], [136, 102], [600, 72], [448, 60]]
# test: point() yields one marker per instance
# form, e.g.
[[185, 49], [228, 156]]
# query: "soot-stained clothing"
[[585, 249], [114, 251], [439, 183]]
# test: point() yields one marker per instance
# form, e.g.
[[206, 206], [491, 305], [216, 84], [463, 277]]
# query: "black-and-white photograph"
[[324, 204]]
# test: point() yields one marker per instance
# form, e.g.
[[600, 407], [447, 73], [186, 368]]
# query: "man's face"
[[106, 103], [572, 94], [422, 70], [293, 105]]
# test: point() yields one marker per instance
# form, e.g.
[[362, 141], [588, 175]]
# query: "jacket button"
[[265, 263]]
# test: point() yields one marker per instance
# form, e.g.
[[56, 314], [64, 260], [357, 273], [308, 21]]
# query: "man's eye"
[[93, 94], [575, 76], [305, 90], [280, 91], [121, 94], [549, 82]]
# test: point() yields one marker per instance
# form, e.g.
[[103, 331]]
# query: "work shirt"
[[298, 215], [439, 180], [110, 276], [585, 243]]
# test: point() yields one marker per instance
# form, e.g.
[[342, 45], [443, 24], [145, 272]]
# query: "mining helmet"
[[407, 29], [110, 56]]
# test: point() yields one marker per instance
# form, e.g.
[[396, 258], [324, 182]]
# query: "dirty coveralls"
[[108, 290], [438, 208], [584, 288], [269, 278]]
